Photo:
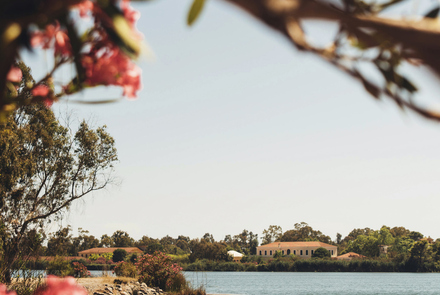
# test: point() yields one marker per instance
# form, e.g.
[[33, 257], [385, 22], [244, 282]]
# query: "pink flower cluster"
[[157, 269], [53, 286], [103, 61], [4, 291]]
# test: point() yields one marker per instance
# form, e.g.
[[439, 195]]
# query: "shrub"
[[321, 253], [157, 270], [60, 267], [93, 257], [80, 270], [125, 269], [119, 255]]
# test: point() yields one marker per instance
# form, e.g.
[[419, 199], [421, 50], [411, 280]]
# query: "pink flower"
[[129, 13], [43, 92], [14, 74], [4, 291], [52, 36], [109, 66], [40, 90], [57, 286], [62, 44]]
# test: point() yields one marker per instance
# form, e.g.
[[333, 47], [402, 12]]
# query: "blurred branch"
[[404, 40]]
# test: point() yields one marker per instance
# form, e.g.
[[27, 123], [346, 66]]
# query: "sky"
[[235, 129]]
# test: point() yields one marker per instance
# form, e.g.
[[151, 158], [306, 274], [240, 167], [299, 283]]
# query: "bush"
[[321, 253], [125, 269], [157, 270], [119, 255], [60, 267], [80, 270]]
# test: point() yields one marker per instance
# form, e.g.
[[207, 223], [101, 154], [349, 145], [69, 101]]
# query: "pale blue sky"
[[235, 129]]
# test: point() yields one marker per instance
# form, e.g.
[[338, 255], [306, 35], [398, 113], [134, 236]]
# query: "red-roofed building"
[[350, 256], [99, 251], [300, 249]]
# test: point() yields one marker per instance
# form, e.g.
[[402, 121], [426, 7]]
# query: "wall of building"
[[303, 252]]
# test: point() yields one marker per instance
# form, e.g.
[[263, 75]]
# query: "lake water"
[[301, 283]]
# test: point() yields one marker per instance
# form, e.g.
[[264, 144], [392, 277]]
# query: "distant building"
[[350, 256], [99, 251], [300, 249], [383, 249], [428, 239], [236, 256]]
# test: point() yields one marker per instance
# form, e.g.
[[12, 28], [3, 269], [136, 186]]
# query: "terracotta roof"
[[297, 244], [110, 250], [351, 255]]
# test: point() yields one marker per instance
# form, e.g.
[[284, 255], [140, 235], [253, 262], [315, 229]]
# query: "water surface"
[[300, 283]]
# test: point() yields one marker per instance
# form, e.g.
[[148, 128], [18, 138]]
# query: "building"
[[300, 249], [99, 251], [236, 256], [350, 256]]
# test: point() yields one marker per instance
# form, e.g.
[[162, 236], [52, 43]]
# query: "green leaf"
[[194, 11]]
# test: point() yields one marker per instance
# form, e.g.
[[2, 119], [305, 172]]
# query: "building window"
[[301, 252], [288, 251], [270, 252], [260, 252], [307, 252], [332, 252], [265, 252], [283, 252], [294, 252], [312, 252]]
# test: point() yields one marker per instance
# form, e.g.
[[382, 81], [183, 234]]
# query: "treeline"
[[396, 245], [316, 265]]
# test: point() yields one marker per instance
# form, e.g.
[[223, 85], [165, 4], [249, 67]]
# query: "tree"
[[202, 249], [44, 168], [321, 253], [119, 255], [304, 232], [60, 243], [416, 236], [106, 241], [122, 239], [272, 234]]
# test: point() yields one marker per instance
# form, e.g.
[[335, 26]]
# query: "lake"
[[303, 283]]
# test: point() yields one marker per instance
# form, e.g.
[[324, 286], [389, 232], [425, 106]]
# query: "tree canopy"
[[44, 168]]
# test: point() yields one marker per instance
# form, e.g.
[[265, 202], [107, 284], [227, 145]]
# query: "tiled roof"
[[110, 250], [351, 255], [297, 244]]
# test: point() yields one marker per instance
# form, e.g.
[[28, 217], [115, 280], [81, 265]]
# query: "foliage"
[[119, 255], [158, 270], [278, 254], [121, 239], [321, 253], [60, 267], [80, 271], [203, 249], [101, 50], [107, 256], [367, 38], [125, 269], [303, 232], [51, 169], [272, 234], [94, 256]]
